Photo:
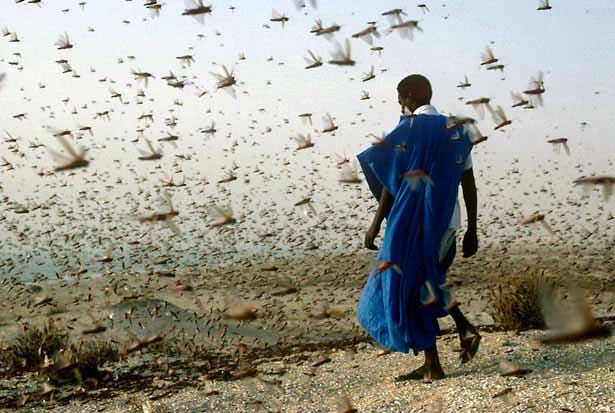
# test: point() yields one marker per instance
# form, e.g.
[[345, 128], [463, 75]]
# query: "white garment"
[[456, 218]]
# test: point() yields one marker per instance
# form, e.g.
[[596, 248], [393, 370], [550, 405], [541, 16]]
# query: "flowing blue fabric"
[[390, 308]]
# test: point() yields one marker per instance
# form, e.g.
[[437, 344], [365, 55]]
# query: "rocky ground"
[[578, 378], [271, 321]]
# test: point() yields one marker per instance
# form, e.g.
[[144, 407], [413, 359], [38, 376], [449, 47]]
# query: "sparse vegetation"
[[516, 305], [28, 351], [49, 349], [57, 309]]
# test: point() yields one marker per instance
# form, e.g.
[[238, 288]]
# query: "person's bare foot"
[[423, 373], [433, 373], [469, 343]]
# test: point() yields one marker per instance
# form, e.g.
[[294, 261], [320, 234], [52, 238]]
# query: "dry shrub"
[[93, 354], [31, 346], [49, 349], [516, 305], [77, 364]]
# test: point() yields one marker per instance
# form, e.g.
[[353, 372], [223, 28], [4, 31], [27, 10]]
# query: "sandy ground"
[[579, 378], [303, 306]]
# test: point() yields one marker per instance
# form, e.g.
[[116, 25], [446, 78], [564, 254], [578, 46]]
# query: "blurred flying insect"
[[196, 9], [406, 28], [365, 95], [466, 83], [318, 29], [377, 49], [152, 155], [66, 67], [103, 115], [63, 42], [558, 143], [154, 7], [229, 176], [144, 76], [378, 140], [394, 13], [341, 159], [518, 100], [165, 217], [341, 56], [2, 79], [544, 5], [350, 173], [382, 266], [303, 141], [307, 206], [369, 75], [455, 121], [240, 311], [500, 119], [61, 132], [423, 7], [139, 344], [509, 369], [300, 4], [427, 294], [170, 137], [536, 88], [367, 34], [344, 405], [330, 126], [479, 105], [417, 178], [147, 407], [306, 117], [74, 161], [488, 58], [278, 18], [475, 134], [186, 60], [107, 257], [82, 128], [537, 218], [211, 129], [588, 182], [226, 79], [115, 94], [499, 67], [220, 216], [573, 323], [313, 61]]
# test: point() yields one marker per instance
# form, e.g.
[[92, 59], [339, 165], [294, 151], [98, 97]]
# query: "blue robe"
[[390, 308]]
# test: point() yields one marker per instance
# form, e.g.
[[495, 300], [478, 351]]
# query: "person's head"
[[413, 91]]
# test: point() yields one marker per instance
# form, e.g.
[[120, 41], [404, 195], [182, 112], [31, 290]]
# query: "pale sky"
[[573, 44]]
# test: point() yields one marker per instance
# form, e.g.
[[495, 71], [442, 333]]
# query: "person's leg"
[[468, 334], [461, 322], [469, 338], [433, 369], [430, 370]]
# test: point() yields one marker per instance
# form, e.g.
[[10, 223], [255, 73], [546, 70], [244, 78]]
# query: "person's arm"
[[384, 207], [468, 185]]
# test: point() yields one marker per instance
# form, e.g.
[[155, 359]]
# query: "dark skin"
[[431, 369]]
